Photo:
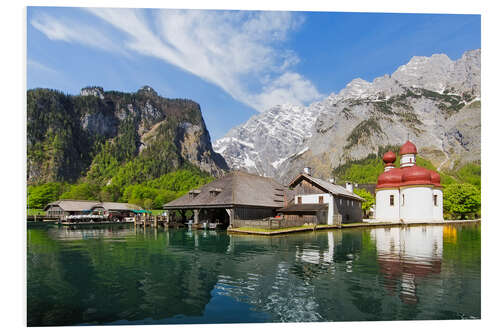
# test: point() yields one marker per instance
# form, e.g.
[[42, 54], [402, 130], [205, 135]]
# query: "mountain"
[[94, 134], [434, 101]]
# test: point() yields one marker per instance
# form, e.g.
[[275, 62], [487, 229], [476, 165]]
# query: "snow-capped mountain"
[[434, 100]]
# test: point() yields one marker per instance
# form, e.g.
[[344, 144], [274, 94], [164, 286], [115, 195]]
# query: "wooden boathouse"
[[237, 199], [61, 209]]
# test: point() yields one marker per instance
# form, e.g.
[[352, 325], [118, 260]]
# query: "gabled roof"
[[116, 206], [84, 205], [236, 188], [326, 186], [72, 205]]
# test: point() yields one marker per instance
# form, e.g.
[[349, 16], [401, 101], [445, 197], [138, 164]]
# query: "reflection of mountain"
[[125, 276], [407, 254]]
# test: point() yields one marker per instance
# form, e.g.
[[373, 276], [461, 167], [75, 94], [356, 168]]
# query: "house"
[[319, 201], [119, 209], [409, 193], [62, 208], [237, 199], [67, 207]]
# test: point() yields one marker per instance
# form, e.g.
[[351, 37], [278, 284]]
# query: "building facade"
[[409, 193], [319, 201]]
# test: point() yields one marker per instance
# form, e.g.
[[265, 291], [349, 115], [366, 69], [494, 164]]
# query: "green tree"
[[41, 195], [148, 203], [83, 191], [369, 199], [461, 199]]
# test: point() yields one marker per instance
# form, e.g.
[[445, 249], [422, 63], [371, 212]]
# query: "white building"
[[409, 193], [321, 202]]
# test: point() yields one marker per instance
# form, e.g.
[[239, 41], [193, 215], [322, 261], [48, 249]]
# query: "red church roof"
[[414, 175], [408, 148]]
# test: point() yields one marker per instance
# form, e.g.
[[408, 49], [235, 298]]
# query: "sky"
[[233, 63]]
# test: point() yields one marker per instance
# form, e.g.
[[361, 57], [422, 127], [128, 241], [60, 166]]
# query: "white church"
[[410, 193]]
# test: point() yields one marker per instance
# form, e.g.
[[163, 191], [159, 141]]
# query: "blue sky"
[[233, 63]]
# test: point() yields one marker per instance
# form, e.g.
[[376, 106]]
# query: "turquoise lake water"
[[120, 275]]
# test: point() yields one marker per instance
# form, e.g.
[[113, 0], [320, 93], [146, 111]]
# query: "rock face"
[[432, 100], [66, 133]]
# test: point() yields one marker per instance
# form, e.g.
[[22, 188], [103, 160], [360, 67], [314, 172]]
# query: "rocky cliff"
[[434, 101], [68, 136]]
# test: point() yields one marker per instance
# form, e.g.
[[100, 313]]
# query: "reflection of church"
[[406, 255]]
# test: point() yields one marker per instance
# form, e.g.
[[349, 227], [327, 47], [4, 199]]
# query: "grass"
[[35, 211], [304, 227]]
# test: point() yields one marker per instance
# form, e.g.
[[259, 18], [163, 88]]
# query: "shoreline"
[[347, 225]]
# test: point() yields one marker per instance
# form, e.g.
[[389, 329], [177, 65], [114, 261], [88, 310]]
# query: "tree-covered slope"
[[98, 136]]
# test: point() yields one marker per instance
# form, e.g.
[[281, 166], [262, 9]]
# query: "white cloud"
[[241, 52], [288, 88], [74, 32], [39, 66]]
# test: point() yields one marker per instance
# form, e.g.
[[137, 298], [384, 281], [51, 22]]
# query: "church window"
[[403, 203], [435, 200], [391, 200]]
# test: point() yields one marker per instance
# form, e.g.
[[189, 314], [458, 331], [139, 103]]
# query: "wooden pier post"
[[135, 220], [156, 221]]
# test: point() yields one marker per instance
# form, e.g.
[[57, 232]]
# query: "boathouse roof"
[[116, 206], [237, 188], [72, 205], [87, 205], [325, 186]]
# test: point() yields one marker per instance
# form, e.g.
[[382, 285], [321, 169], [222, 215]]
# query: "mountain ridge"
[[434, 100], [71, 137]]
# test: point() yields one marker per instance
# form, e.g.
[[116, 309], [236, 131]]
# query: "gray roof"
[[236, 188], [326, 186], [72, 205], [303, 208], [116, 206]]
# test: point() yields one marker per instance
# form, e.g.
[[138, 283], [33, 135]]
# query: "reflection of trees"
[[116, 275], [116, 279]]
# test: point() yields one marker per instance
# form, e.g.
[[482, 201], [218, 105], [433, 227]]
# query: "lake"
[[120, 275]]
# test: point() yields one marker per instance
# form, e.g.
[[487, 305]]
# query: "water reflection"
[[405, 254], [122, 275]]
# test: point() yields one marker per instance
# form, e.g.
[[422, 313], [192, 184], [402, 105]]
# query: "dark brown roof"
[[326, 186], [303, 208], [236, 188]]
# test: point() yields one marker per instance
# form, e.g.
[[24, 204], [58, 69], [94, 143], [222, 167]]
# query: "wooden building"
[[117, 210], [62, 208], [237, 199], [319, 201]]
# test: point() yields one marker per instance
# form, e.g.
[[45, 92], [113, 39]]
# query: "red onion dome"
[[408, 148], [389, 157], [391, 178], [435, 178], [416, 175]]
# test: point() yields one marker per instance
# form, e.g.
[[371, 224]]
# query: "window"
[[299, 200], [391, 200], [403, 203], [321, 200], [435, 200]]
